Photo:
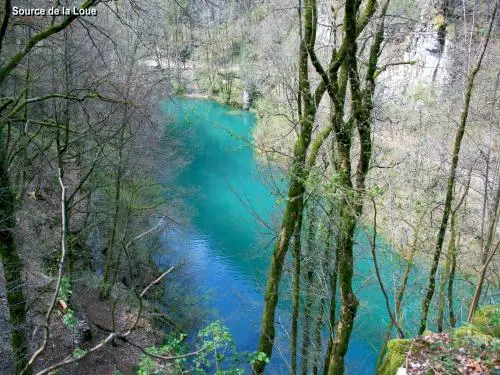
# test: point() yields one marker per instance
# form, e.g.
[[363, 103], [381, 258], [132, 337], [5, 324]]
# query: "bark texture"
[[451, 179]]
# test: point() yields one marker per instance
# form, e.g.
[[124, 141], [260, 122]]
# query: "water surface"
[[227, 246]]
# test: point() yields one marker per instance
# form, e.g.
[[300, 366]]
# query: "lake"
[[227, 247]]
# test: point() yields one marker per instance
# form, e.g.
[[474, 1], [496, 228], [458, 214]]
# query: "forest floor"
[[103, 317], [37, 239], [441, 353], [472, 349], [6, 366]]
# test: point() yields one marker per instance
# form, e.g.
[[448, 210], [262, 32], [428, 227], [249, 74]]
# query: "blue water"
[[227, 245]]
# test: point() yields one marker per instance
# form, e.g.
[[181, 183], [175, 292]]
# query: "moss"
[[439, 22], [395, 356], [487, 320], [479, 339], [470, 330]]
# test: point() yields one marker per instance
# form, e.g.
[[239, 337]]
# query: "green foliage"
[[487, 320], [395, 356], [148, 366], [70, 319], [424, 93], [375, 191], [179, 89], [258, 357], [65, 288], [215, 354], [65, 292], [79, 353], [217, 343], [471, 331], [447, 352], [439, 22]]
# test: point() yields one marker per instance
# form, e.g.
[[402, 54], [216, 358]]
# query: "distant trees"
[[76, 131], [350, 80], [10, 107], [75, 112], [341, 75], [451, 182]]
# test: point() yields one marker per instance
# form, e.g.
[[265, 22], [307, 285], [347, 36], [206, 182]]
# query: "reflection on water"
[[225, 247]]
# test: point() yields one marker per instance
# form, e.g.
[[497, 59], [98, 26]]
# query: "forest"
[[249, 187]]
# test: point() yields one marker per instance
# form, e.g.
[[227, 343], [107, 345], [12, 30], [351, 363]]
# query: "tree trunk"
[[451, 180], [453, 266], [333, 305], [309, 290], [349, 302], [323, 289], [446, 272], [295, 298], [295, 196], [106, 284], [399, 301], [12, 267]]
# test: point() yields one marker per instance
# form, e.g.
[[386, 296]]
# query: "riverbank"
[[227, 244], [470, 349]]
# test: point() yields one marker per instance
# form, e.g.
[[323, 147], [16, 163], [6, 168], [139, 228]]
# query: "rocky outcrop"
[[470, 349], [427, 44]]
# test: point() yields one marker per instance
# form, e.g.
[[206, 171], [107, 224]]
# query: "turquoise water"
[[226, 247]]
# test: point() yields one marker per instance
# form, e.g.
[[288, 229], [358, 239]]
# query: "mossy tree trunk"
[[451, 179], [451, 279], [352, 200], [349, 302], [447, 272], [296, 190], [295, 295], [399, 301], [351, 204], [12, 268], [309, 280]]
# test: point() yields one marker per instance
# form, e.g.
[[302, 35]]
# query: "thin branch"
[[373, 247], [111, 337], [384, 67], [156, 281], [38, 37], [62, 260]]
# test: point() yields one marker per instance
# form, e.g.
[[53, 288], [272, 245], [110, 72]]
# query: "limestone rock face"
[[246, 99], [423, 39], [429, 46]]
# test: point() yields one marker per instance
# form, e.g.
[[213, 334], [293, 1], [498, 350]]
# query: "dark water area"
[[227, 247]]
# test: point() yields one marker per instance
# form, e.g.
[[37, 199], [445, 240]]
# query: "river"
[[227, 246]]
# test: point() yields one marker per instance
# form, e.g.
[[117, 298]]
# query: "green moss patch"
[[470, 349], [487, 320], [395, 356]]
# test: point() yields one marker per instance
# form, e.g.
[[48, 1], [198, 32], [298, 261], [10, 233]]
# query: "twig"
[[46, 328], [156, 281], [115, 335]]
